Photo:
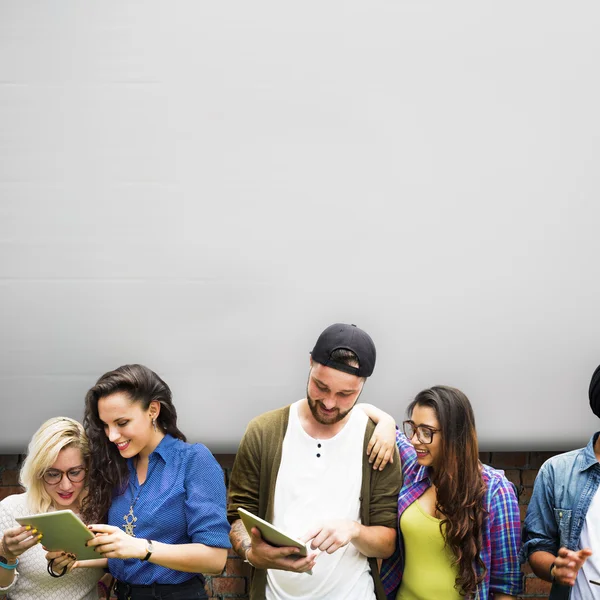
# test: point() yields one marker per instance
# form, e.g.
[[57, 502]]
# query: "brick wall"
[[520, 467]]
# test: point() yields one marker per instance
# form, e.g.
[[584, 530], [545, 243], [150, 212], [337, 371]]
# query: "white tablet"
[[62, 530], [269, 532]]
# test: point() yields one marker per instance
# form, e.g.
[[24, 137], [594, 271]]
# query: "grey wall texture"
[[203, 187]]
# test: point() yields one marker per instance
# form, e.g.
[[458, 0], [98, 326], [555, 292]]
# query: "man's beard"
[[331, 419]]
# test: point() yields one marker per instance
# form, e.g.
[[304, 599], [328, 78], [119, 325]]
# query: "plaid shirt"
[[501, 537]]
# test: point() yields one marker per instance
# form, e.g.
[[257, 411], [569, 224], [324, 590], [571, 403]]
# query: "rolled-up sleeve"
[[540, 530], [205, 499], [505, 539]]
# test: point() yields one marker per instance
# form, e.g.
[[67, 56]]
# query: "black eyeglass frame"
[[63, 473], [418, 429]]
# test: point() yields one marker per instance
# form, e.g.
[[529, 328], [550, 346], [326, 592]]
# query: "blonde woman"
[[54, 476]]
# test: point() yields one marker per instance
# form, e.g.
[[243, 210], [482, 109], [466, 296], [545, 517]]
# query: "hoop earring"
[[154, 424]]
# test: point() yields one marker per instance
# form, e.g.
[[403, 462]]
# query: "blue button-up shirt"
[[182, 501], [562, 493]]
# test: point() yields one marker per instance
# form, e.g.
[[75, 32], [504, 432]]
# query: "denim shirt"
[[563, 491]]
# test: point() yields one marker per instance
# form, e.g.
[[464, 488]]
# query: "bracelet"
[[552, 567], [247, 560], [52, 573], [102, 585], [9, 567]]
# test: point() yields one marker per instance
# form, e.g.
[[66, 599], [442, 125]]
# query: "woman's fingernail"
[[28, 527]]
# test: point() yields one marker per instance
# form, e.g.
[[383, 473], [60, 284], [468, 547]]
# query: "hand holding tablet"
[[63, 531], [275, 549], [271, 534]]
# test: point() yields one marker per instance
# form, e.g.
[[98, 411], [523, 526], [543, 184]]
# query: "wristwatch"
[[149, 550]]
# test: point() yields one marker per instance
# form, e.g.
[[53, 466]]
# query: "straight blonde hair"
[[54, 435]]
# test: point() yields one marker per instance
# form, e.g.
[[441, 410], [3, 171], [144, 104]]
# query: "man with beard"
[[305, 469]]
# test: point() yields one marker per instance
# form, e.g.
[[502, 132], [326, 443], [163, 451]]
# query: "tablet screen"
[[62, 530], [269, 532]]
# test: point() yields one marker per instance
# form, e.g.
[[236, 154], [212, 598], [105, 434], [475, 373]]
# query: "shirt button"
[[318, 456], [318, 445], [560, 514]]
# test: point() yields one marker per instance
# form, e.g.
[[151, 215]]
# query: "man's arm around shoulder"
[[378, 539]]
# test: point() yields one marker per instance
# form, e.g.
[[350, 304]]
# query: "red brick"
[[231, 585], [9, 477], [10, 460], [236, 566], [507, 460], [514, 475], [525, 495], [533, 585], [536, 459], [528, 477], [208, 585], [522, 511], [9, 490]]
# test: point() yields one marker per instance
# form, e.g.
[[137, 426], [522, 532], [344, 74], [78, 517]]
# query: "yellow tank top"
[[428, 570]]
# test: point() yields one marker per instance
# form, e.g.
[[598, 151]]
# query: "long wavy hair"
[[54, 435], [109, 474], [459, 482]]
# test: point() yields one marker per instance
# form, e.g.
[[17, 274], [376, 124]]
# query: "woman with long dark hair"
[[458, 519], [163, 499]]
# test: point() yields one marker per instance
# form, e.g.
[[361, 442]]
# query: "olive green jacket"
[[254, 475]]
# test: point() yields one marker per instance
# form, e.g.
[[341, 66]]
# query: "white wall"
[[204, 186]]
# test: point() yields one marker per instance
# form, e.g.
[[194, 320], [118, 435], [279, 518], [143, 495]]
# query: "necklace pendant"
[[130, 520]]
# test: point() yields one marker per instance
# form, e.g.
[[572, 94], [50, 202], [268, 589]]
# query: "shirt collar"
[[165, 447], [422, 473], [589, 456], [164, 450]]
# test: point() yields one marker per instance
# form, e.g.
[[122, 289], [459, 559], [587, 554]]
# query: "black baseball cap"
[[347, 337]]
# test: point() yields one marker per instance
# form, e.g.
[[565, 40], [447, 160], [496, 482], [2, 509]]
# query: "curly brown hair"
[[109, 474], [459, 482]]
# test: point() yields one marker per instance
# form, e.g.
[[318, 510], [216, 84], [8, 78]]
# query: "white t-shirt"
[[590, 538], [33, 581], [320, 481]]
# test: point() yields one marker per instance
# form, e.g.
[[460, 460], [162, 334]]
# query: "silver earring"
[[154, 424]]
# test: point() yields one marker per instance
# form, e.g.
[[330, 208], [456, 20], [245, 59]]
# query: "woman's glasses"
[[424, 432], [54, 476]]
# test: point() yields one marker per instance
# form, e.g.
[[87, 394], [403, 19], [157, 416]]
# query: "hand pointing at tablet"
[[333, 535], [113, 542]]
